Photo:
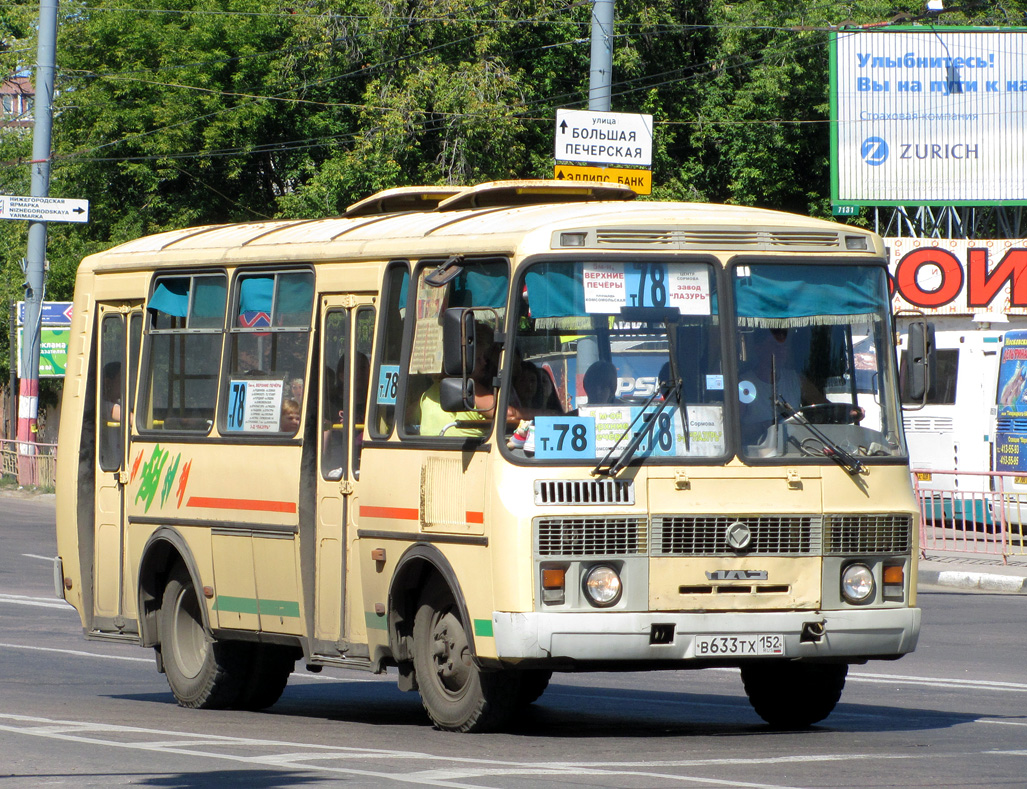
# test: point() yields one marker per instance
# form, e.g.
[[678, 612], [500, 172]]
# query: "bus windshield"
[[614, 358], [816, 376]]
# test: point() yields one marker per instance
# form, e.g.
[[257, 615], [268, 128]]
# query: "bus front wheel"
[[793, 695], [457, 695], [202, 674]]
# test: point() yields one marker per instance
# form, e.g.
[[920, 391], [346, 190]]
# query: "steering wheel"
[[831, 414]]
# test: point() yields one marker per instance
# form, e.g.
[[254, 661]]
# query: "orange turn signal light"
[[893, 575], [553, 578]]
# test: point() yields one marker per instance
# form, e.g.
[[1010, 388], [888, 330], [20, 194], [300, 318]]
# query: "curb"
[[982, 582]]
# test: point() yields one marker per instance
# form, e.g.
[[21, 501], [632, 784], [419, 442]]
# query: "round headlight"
[[602, 585], [857, 583]]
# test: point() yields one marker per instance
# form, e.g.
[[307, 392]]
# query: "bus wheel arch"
[[414, 572], [164, 549]]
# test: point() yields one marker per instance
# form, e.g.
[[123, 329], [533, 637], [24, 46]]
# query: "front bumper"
[[609, 636]]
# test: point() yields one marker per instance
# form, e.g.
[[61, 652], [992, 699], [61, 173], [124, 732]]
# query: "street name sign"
[[639, 180], [51, 313], [604, 137], [44, 209]]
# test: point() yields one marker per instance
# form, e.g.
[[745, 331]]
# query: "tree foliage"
[[183, 112]]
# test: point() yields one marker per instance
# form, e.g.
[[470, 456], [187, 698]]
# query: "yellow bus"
[[482, 434]]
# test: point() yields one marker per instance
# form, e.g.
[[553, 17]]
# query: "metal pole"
[[35, 259], [11, 428], [600, 74]]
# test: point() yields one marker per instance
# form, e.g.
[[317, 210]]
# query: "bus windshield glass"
[[593, 363], [626, 360], [815, 372]]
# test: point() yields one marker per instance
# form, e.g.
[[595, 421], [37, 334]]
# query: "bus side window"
[[268, 344], [362, 342], [334, 395], [112, 391], [185, 318], [384, 386]]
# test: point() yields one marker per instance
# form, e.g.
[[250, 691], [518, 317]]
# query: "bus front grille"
[[846, 534], [707, 535], [591, 536], [584, 491]]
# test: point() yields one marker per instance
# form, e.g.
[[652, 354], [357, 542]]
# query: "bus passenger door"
[[120, 330], [347, 331]]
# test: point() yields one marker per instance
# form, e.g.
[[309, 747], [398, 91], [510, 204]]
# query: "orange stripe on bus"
[[396, 513], [253, 505], [475, 517]]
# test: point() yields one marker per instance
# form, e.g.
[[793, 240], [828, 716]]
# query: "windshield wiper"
[[831, 449], [650, 418]]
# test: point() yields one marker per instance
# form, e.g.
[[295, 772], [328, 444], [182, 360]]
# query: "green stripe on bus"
[[375, 621], [483, 628], [250, 605]]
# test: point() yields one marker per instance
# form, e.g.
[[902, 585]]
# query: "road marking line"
[[42, 602], [965, 684], [58, 729], [37, 556], [77, 653]]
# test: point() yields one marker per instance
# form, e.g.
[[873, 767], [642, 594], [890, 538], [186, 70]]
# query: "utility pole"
[[600, 73], [35, 259]]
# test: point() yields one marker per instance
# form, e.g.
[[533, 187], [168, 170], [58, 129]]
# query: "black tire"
[[793, 695], [533, 684], [202, 673], [266, 677], [457, 695]]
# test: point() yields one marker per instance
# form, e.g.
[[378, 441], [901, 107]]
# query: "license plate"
[[739, 646], [923, 476], [1020, 480]]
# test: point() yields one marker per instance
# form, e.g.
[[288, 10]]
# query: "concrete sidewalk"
[[974, 572]]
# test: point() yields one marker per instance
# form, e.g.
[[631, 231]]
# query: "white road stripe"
[[37, 556], [41, 602], [77, 653], [98, 734]]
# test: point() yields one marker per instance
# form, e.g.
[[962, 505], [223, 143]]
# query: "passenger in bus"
[[290, 419], [296, 389], [434, 420], [111, 392], [600, 383]]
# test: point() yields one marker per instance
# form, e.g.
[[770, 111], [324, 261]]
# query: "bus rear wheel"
[[457, 695], [792, 695], [267, 676], [202, 674]]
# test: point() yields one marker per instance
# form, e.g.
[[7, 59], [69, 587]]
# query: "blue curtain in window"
[[784, 296], [477, 287], [256, 295], [171, 296]]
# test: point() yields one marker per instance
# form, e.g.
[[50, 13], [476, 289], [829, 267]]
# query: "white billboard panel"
[[929, 116]]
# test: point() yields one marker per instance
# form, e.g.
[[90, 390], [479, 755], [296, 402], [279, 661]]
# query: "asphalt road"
[[86, 714]]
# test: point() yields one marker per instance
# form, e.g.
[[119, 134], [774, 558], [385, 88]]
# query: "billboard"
[[942, 276], [929, 115]]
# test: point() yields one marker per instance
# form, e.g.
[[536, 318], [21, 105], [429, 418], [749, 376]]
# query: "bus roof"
[[498, 217]]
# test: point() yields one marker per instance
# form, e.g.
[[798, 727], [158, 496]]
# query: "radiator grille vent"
[[698, 535], [867, 534], [588, 491], [590, 536], [727, 238]]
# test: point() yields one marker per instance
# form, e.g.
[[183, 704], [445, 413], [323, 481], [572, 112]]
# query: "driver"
[[769, 366]]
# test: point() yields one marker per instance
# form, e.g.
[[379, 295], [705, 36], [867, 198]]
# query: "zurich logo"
[[874, 151]]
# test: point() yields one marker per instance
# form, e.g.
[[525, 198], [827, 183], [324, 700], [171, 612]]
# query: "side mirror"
[[456, 394], [458, 343], [922, 366]]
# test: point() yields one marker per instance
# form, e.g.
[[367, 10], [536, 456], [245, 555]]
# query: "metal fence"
[[28, 463], [972, 512]]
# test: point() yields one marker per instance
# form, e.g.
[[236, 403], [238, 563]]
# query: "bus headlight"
[[602, 586], [857, 583]]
